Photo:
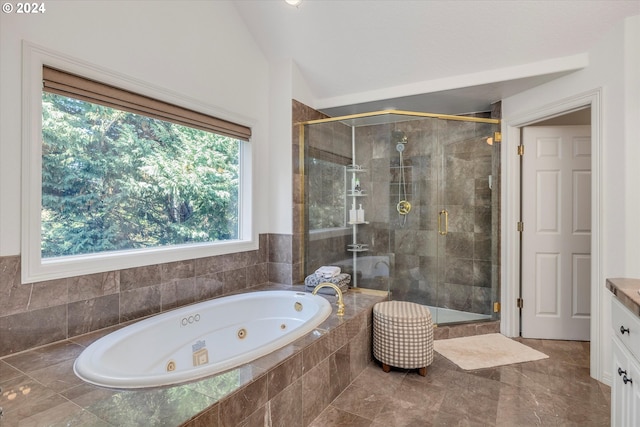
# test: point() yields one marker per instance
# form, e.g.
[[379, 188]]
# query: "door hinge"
[[519, 303], [520, 150], [520, 226], [496, 307]]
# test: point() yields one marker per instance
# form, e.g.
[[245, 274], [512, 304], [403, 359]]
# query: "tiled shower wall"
[[300, 113], [330, 142], [34, 314]]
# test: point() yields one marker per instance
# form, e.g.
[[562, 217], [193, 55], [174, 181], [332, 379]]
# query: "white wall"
[[280, 182], [197, 49], [286, 83], [613, 65], [632, 144], [301, 90]]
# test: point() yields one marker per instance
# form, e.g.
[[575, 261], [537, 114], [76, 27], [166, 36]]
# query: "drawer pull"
[[626, 380], [620, 372], [623, 330]]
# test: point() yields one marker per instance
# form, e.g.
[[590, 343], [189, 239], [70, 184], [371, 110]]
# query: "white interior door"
[[556, 240]]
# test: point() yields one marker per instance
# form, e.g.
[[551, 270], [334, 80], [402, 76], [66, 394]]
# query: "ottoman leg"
[[386, 367], [423, 371]]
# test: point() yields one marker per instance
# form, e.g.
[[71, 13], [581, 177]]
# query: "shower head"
[[398, 136]]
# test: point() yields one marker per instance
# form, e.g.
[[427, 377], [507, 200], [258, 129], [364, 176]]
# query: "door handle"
[[446, 222]]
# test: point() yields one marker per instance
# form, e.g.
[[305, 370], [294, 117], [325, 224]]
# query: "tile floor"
[[549, 392]]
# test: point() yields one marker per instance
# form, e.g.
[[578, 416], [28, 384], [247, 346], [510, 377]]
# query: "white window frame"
[[34, 267]]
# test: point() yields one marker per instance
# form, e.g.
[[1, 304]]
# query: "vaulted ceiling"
[[440, 56]]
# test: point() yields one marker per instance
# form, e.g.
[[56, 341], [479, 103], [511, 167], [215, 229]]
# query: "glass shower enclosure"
[[407, 203]]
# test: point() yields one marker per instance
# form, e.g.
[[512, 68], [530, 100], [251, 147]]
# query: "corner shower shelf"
[[355, 168], [354, 194], [358, 247]]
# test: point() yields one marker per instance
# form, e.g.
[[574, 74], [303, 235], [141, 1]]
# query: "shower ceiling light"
[[295, 3]]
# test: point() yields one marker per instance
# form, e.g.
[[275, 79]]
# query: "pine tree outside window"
[[122, 174], [114, 180]]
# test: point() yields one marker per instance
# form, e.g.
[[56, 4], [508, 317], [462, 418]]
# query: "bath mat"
[[485, 351]]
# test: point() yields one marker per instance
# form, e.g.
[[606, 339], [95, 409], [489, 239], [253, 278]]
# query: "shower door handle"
[[446, 222]]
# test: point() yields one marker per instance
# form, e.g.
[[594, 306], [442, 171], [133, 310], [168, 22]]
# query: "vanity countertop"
[[627, 292]]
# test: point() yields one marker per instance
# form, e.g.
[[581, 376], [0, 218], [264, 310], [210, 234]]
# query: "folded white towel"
[[328, 271]]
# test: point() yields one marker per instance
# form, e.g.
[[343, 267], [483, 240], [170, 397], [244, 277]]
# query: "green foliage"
[[113, 180]]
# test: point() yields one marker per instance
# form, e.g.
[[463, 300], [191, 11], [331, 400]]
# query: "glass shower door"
[[441, 249], [465, 232]]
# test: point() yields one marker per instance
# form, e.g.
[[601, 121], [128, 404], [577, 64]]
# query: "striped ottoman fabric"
[[402, 335]]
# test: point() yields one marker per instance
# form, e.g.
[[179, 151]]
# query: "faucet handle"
[[340, 311]]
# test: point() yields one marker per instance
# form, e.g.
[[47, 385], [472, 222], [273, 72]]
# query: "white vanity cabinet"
[[625, 389]]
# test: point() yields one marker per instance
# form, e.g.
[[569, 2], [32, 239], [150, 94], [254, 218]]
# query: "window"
[[114, 180], [127, 180]]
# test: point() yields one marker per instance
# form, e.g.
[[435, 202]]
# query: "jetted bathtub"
[[201, 339]]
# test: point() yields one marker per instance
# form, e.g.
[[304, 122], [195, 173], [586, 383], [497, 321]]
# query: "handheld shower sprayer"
[[403, 207]]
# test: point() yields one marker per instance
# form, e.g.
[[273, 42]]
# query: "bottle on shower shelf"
[[353, 214], [360, 214]]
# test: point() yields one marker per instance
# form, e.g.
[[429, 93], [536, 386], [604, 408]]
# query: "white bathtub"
[[200, 339]]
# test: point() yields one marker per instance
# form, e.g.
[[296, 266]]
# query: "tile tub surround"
[[36, 314], [291, 386]]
